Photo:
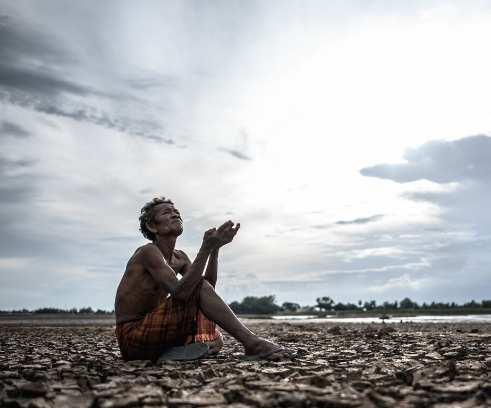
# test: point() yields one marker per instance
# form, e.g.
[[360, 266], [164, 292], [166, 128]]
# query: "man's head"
[[160, 208]]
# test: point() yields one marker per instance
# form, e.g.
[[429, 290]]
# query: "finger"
[[234, 231], [224, 226], [210, 231], [228, 227]]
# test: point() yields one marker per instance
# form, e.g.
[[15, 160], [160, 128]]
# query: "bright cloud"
[[403, 281]]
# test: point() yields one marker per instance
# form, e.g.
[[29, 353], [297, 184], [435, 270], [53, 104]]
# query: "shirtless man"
[[156, 311]]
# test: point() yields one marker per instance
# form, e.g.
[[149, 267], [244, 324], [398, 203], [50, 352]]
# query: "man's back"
[[138, 293]]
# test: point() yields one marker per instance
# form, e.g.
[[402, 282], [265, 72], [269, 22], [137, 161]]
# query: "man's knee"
[[206, 286]]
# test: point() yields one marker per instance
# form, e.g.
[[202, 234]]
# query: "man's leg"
[[215, 309]]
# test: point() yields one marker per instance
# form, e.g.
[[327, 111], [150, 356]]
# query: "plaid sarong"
[[172, 323], [204, 330]]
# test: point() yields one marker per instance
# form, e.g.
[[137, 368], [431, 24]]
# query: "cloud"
[[459, 230], [361, 220], [404, 281], [12, 129], [27, 58], [440, 161], [411, 266], [237, 154], [33, 74], [462, 171]]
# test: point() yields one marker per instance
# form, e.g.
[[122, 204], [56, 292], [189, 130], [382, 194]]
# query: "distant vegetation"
[[256, 305], [52, 310], [267, 305], [326, 303]]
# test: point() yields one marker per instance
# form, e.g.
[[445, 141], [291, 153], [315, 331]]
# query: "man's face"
[[167, 220]]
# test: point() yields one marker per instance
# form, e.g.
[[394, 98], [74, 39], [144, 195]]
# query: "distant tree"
[[86, 310], [472, 304], [371, 305], [407, 303], [73, 310], [256, 305], [389, 305], [48, 310], [360, 303], [325, 302], [345, 306], [290, 307], [486, 303]]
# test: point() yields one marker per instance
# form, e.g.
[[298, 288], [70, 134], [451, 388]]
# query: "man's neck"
[[166, 246]]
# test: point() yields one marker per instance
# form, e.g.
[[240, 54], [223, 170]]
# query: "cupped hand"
[[218, 237]]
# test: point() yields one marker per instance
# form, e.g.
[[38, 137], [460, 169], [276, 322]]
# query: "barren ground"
[[345, 365]]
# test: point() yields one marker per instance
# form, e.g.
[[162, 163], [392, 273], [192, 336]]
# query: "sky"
[[351, 140]]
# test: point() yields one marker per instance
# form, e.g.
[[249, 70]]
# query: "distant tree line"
[[326, 303], [53, 310], [256, 305], [267, 305]]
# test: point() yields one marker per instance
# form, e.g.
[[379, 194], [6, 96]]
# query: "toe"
[[275, 357]]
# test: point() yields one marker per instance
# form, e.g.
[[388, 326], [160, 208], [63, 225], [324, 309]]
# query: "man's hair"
[[148, 215]]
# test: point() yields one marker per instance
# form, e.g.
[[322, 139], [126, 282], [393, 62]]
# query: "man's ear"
[[151, 227]]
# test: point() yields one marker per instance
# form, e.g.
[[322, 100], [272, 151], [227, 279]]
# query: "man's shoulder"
[[144, 252]]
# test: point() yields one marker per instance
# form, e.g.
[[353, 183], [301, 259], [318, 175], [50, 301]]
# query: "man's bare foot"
[[215, 346], [263, 347]]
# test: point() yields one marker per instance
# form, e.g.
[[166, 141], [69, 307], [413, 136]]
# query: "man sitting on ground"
[[157, 314]]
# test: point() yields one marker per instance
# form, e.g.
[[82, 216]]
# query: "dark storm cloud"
[[361, 220], [17, 42], [22, 79], [237, 154], [37, 72], [25, 58], [12, 129], [441, 161]]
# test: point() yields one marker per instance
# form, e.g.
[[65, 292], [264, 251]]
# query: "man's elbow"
[[181, 294]]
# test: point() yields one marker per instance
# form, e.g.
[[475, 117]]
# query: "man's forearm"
[[212, 268], [186, 285]]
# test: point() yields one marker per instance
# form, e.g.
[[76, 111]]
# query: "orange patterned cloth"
[[172, 323], [204, 330]]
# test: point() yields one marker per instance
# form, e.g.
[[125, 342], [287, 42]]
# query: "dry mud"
[[346, 365]]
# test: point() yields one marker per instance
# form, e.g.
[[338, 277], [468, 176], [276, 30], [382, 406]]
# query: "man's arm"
[[212, 268], [164, 275]]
